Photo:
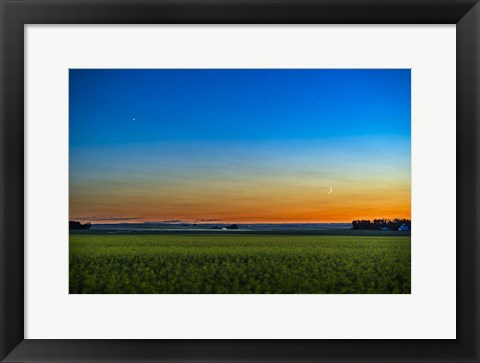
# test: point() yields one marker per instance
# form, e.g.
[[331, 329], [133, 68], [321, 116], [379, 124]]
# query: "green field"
[[238, 264]]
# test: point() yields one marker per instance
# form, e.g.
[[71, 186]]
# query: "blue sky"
[[145, 128]]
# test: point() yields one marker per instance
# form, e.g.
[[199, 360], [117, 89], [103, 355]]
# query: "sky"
[[239, 145]]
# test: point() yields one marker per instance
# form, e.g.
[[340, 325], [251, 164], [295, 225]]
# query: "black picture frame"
[[16, 13]]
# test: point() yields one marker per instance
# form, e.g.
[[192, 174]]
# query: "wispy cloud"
[[94, 218]]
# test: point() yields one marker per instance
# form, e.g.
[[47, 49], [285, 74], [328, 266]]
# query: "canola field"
[[238, 264]]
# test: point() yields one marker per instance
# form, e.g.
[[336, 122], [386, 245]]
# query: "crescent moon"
[[331, 190]]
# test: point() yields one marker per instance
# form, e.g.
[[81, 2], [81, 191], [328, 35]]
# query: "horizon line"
[[223, 222]]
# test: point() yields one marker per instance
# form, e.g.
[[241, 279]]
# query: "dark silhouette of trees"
[[78, 225], [379, 224], [233, 226]]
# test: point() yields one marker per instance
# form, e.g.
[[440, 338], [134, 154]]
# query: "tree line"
[[391, 224]]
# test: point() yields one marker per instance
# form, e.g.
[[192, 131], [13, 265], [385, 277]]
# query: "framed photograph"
[[240, 181]]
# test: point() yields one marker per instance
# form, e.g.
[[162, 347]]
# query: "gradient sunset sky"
[[239, 146]]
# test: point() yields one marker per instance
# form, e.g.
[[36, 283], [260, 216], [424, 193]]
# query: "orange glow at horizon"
[[251, 200]]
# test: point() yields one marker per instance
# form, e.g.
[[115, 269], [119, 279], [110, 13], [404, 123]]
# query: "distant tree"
[[78, 225], [377, 224], [233, 226]]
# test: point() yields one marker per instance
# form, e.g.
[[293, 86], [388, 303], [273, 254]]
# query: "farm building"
[[403, 227]]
